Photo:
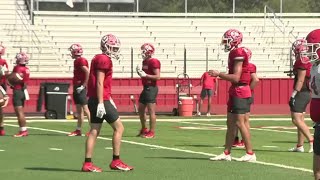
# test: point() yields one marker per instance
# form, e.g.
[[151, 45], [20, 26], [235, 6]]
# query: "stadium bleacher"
[[53, 32]]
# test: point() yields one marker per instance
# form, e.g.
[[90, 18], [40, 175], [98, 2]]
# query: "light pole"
[[185, 6], [234, 6]]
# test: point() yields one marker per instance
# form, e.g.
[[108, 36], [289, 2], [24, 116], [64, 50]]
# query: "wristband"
[[294, 93]]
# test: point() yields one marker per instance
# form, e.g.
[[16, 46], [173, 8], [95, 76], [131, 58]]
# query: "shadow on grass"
[[180, 158]]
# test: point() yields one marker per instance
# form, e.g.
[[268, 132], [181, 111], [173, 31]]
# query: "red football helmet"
[[313, 45], [110, 45], [300, 48], [249, 52], [147, 50], [75, 50], [230, 39], [22, 58], [2, 50]]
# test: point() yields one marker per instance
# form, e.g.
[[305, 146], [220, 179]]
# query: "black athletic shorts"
[[18, 97], [238, 105], [80, 98], [148, 95], [206, 92], [302, 99], [111, 112]]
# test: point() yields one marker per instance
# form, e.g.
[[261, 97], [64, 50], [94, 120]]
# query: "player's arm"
[[85, 69], [254, 80], [216, 86], [202, 79], [156, 75], [237, 69], [100, 80], [300, 79]]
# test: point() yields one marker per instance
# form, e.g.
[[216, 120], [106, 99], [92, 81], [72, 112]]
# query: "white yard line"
[[159, 120], [55, 149], [1, 150], [258, 129], [173, 149]]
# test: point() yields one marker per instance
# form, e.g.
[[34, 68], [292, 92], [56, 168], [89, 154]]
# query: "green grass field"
[[181, 150]]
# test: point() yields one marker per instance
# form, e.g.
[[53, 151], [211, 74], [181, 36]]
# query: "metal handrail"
[[275, 17]]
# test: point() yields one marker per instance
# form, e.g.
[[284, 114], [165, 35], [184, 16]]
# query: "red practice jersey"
[[208, 82], [298, 64], [242, 89], [25, 73], [3, 62], [148, 66], [103, 63], [78, 75]]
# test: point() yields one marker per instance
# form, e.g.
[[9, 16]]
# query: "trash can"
[[185, 106], [55, 99]]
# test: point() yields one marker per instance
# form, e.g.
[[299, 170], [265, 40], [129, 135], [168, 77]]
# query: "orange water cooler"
[[185, 107]]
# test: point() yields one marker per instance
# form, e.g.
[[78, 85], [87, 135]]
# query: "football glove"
[[80, 88], [140, 72], [3, 70], [101, 111]]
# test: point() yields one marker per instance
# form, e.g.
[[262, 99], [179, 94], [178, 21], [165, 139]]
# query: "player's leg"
[[87, 113], [18, 103], [151, 97], [2, 131], [80, 116], [113, 119], [209, 93], [95, 127], [297, 116], [240, 110], [142, 113], [153, 120], [203, 94]]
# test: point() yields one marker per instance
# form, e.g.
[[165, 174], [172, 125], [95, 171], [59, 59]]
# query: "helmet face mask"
[[147, 51], [231, 38], [299, 49], [75, 50], [110, 45], [313, 46], [22, 58]]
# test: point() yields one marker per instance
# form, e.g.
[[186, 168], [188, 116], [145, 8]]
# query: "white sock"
[[23, 128]]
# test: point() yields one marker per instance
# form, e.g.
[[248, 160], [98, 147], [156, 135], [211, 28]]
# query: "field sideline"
[[185, 144]]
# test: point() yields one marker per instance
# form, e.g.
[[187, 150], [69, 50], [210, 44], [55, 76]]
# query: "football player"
[[101, 105], [20, 93], [80, 81], [4, 67], [313, 53], [300, 96], [150, 74], [207, 82], [239, 94], [253, 83]]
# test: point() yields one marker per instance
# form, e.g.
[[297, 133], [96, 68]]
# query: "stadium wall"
[[271, 95]]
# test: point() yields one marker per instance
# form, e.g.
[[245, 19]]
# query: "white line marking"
[[173, 149], [55, 149], [270, 146], [258, 129], [108, 148], [155, 148], [159, 120], [1, 150]]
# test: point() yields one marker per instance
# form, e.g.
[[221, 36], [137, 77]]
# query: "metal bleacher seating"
[[48, 39]]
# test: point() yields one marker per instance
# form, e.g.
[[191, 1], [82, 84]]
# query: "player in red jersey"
[[239, 94], [253, 83], [4, 66], [150, 74], [208, 83], [312, 52], [300, 96], [80, 81], [20, 93], [101, 105]]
